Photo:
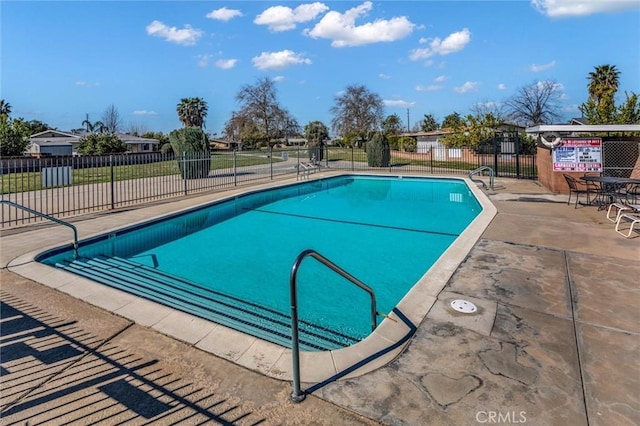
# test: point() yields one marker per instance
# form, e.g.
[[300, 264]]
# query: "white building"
[[55, 142]]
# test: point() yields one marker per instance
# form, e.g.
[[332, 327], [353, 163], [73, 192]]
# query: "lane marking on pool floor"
[[349, 222]]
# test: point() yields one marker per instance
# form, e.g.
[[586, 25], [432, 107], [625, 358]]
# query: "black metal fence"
[[68, 186]]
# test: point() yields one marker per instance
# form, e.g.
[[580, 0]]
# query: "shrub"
[[100, 144], [191, 147], [378, 151]]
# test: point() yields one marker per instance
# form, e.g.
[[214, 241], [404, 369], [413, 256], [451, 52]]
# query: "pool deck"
[[556, 339]]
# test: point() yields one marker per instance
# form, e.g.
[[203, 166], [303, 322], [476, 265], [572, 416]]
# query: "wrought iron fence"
[[68, 186]]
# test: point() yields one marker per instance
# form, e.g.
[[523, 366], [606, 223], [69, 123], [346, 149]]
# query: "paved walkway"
[[556, 341]]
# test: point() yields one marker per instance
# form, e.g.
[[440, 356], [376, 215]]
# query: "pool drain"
[[464, 306]]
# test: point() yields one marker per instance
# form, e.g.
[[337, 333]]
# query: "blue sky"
[[62, 60]]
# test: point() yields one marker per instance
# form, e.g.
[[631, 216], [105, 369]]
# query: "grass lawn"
[[32, 181]]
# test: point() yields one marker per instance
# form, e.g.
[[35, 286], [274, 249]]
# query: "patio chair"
[[632, 193], [621, 208], [632, 218], [577, 187]]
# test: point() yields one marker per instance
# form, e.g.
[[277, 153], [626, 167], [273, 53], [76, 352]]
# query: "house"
[[426, 141], [581, 121], [56, 143]]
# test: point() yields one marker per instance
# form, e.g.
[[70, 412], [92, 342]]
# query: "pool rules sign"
[[578, 155]]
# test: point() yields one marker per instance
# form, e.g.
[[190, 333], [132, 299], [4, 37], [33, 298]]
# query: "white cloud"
[[423, 40], [226, 64], [542, 67], [283, 18], [430, 88], [144, 112], [343, 31], [86, 84], [568, 8], [556, 86], [466, 87], [453, 43], [502, 86], [384, 76], [440, 78], [223, 14], [186, 36], [278, 78], [397, 103], [279, 60], [203, 60]]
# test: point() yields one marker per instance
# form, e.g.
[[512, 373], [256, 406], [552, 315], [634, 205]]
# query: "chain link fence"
[[620, 157]]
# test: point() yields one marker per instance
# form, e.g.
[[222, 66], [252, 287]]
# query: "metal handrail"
[[51, 218], [480, 169], [297, 395]]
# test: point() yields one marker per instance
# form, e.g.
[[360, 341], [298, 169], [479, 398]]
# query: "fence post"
[[185, 173], [326, 155], [495, 154], [235, 178], [516, 145], [112, 182], [353, 167], [270, 162], [431, 158]]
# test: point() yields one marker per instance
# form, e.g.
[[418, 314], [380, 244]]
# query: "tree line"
[[358, 113]]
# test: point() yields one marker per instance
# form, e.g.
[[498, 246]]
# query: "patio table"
[[610, 187]]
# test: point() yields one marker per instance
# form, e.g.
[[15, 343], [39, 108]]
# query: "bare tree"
[[356, 113], [496, 109], [137, 129], [538, 103], [259, 105], [111, 119]]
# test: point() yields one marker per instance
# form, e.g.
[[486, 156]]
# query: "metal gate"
[[509, 156]]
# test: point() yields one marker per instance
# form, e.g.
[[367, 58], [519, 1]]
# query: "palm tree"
[[192, 112], [5, 108], [603, 81], [97, 127]]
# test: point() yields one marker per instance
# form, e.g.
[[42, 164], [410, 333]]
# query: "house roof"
[[54, 134], [583, 128], [579, 120], [56, 137]]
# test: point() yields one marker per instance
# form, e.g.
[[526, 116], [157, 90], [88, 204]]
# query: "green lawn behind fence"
[[32, 181]]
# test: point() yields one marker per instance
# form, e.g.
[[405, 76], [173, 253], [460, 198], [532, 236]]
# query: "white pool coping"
[[253, 353]]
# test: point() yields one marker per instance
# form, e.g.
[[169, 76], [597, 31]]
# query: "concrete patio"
[[556, 340]]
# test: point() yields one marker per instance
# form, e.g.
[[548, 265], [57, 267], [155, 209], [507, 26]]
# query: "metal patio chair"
[[577, 187]]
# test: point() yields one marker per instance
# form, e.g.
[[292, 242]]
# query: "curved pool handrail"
[[481, 169], [297, 395], [51, 218]]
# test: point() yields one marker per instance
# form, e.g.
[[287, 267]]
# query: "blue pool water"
[[385, 231]]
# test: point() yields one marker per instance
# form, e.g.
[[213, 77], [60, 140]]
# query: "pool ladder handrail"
[[297, 395], [481, 169], [51, 218]]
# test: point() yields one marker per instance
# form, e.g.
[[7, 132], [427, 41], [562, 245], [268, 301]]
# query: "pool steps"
[[161, 287]]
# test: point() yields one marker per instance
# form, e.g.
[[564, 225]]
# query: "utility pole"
[[408, 121]]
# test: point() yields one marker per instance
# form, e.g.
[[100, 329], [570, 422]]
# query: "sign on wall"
[[578, 155]]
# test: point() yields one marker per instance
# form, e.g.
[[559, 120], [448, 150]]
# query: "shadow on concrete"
[[44, 365]]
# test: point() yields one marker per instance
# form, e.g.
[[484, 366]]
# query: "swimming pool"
[[237, 254]]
